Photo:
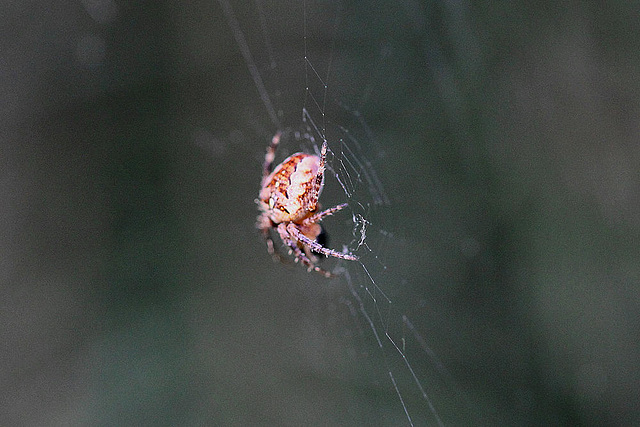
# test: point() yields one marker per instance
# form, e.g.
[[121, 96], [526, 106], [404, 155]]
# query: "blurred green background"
[[134, 289]]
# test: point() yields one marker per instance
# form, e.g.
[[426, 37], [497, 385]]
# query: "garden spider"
[[288, 203]]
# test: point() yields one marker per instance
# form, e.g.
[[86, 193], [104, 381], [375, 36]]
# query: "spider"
[[288, 203]]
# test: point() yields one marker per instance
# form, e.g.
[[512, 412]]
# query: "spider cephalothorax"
[[288, 202]]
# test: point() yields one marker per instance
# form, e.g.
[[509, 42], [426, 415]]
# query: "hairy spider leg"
[[317, 217], [298, 254], [266, 225], [317, 185], [275, 253], [277, 256], [270, 157], [271, 249], [315, 246]]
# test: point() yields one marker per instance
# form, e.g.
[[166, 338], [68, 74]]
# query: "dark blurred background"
[[134, 289]]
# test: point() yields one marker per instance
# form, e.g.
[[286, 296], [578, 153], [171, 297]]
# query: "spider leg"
[[270, 156], [304, 259], [317, 217], [309, 254], [317, 183], [298, 254], [271, 247], [309, 264], [264, 225], [293, 245], [315, 246]]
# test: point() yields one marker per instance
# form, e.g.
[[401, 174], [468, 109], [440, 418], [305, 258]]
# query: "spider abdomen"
[[287, 191]]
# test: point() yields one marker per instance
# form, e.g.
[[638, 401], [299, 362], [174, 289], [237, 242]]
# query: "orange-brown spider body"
[[288, 202]]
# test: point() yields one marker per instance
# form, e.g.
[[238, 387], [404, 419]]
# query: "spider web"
[[323, 91]]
